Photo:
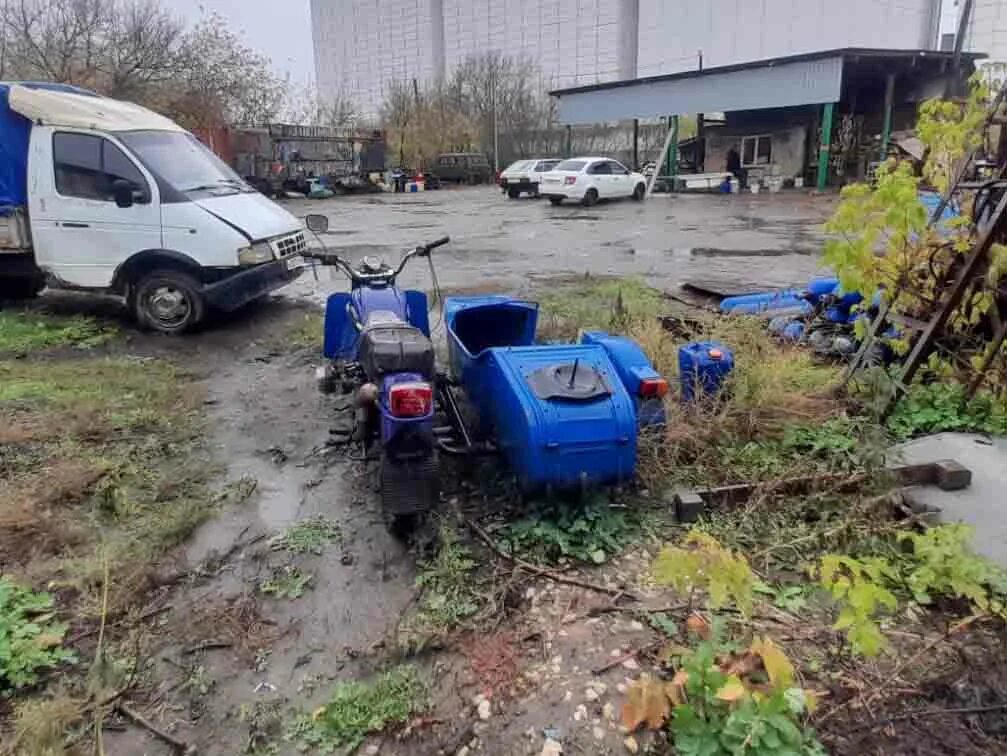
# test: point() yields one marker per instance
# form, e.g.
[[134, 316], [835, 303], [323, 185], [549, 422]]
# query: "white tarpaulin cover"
[[82, 111]]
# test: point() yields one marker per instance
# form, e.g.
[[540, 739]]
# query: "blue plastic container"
[[768, 304], [821, 287], [750, 303], [633, 368], [702, 368], [550, 436]]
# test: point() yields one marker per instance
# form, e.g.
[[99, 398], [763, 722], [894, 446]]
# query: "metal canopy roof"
[[808, 79]]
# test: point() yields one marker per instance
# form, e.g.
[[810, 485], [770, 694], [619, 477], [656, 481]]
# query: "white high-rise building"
[[362, 46], [675, 33], [986, 31]]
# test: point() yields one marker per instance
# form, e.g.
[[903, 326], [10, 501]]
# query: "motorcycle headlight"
[[256, 254]]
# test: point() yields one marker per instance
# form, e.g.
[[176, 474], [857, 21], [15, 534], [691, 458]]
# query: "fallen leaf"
[[698, 626], [741, 665], [48, 640], [647, 704], [731, 691], [778, 666], [675, 693]]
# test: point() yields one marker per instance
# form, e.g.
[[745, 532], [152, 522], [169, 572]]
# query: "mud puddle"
[[270, 432]]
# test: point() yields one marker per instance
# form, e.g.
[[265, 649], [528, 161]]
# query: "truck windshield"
[[182, 161]]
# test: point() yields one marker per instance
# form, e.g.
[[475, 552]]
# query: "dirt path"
[[270, 426]]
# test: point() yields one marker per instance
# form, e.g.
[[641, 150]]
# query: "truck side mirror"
[[317, 223], [124, 192]]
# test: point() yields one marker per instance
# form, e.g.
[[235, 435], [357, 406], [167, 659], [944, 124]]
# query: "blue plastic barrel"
[[767, 300], [821, 287], [794, 331], [702, 368]]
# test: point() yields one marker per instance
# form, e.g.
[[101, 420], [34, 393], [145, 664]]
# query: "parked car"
[[589, 179], [463, 168], [525, 176], [107, 196]]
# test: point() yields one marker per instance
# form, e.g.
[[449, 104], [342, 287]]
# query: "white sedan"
[[589, 179], [525, 176]]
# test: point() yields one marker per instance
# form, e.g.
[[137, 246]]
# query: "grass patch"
[[307, 537], [447, 597], [27, 331], [596, 304], [591, 532], [357, 709], [286, 582], [774, 417], [307, 331], [106, 466]]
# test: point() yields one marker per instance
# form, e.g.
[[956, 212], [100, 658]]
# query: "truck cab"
[[116, 198]]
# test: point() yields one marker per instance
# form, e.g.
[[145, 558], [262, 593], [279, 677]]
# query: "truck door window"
[[86, 166]]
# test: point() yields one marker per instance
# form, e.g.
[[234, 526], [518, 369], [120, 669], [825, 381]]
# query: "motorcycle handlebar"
[[329, 258], [428, 248]]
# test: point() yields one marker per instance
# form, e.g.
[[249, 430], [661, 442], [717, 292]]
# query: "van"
[[463, 168], [106, 196]]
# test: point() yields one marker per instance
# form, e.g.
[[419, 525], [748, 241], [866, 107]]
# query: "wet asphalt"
[[734, 242]]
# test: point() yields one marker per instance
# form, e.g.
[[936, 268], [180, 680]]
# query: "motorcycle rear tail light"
[[411, 399], [570, 180], [653, 388]]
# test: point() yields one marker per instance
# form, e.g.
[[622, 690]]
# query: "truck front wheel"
[[168, 301]]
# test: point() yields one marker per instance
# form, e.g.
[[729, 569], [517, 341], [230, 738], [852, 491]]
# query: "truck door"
[[82, 234]]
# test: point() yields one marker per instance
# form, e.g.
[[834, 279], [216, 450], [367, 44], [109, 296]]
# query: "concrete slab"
[[983, 505]]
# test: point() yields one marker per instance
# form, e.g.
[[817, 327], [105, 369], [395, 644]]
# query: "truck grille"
[[292, 244]]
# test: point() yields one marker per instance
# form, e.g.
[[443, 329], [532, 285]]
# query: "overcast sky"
[[280, 29]]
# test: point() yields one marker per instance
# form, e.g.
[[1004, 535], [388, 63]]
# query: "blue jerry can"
[[702, 367]]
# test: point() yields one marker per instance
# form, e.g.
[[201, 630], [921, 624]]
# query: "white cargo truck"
[[106, 196]]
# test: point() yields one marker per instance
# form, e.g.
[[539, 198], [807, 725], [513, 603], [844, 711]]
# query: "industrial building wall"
[[987, 29], [362, 46], [571, 42], [674, 32]]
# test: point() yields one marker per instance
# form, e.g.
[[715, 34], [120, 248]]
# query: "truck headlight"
[[256, 254]]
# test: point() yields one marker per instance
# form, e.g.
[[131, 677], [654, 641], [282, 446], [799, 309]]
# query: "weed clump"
[[29, 638], [357, 709], [24, 332], [591, 532]]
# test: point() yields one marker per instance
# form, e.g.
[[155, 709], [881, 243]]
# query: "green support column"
[[886, 126], [823, 150], [671, 159]]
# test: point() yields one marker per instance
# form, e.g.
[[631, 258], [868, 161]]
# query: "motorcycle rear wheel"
[[409, 490]]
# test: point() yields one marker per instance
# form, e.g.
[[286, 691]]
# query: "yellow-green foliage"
[[942, 563], [707, 566], [858, 586]]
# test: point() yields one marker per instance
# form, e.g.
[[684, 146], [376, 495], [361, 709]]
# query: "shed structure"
[[821, 117]]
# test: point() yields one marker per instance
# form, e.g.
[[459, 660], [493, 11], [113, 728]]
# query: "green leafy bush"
[[942, 563], [29, 639], [707, 566], [858, 586], [720, 711], [938, 407], [591, 533]]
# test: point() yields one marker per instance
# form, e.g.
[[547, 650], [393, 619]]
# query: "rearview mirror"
[[124, 192], [316, 223]]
